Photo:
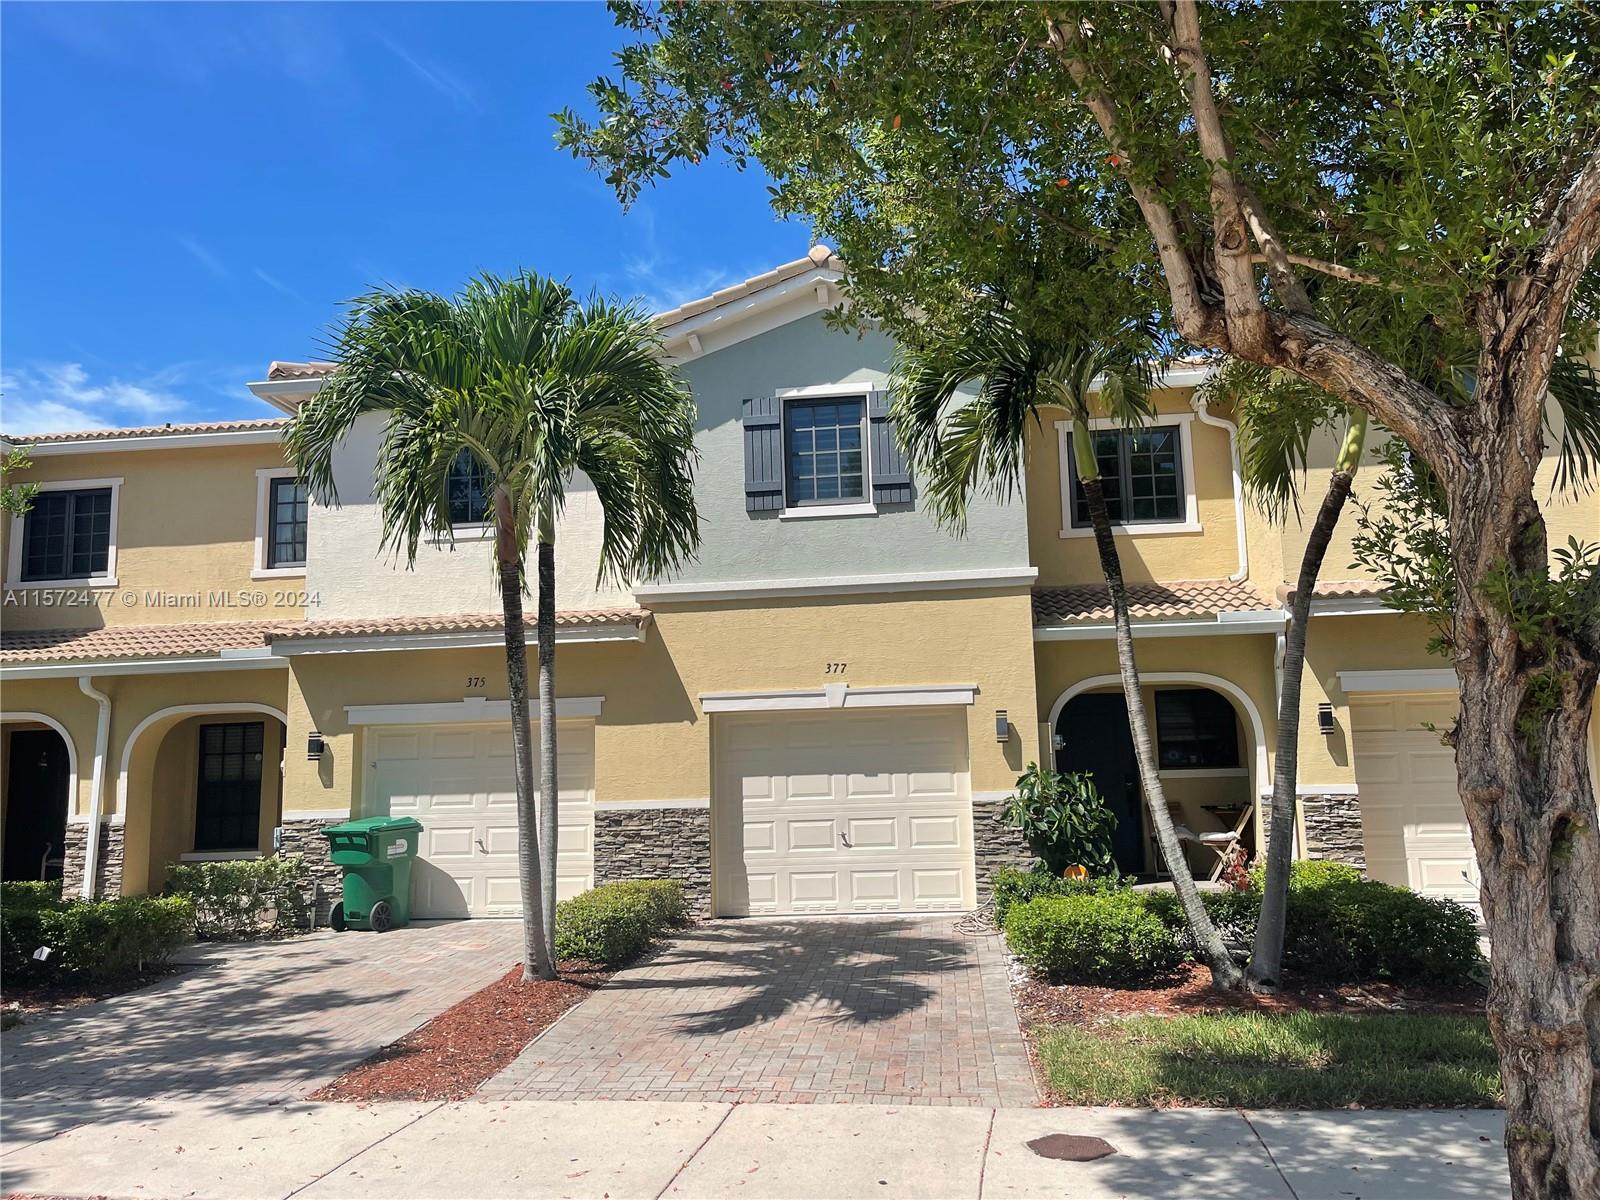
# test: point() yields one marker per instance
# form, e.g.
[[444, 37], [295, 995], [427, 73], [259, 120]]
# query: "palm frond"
[[1575, 388], [1277, 414]]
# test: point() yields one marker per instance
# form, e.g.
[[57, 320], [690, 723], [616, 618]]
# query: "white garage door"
[[1411, 816], [459, 781], [841, 812]]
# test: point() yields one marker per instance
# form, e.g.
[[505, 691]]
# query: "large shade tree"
[[1435, 168], [534, 385]]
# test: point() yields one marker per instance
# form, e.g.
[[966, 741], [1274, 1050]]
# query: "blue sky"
[[189, 190]]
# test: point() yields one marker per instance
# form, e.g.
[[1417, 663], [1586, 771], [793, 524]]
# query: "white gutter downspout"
[[97, 784], [1198, 402]]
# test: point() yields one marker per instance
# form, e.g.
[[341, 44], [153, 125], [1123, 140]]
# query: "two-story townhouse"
[[822, 713]]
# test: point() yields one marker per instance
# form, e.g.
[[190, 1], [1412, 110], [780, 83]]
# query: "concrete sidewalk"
[[626, 1149]]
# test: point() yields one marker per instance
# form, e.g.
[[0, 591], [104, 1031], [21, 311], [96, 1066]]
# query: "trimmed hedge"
[[615, 921], [243, 898], [1092, 938], [1012, 886], [1342, 927], [88, 939]]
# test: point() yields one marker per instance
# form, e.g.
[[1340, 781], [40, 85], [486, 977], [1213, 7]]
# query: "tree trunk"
[[549, 789], [1224, 974], [1266, 953], [537, 961], [1527, 689]]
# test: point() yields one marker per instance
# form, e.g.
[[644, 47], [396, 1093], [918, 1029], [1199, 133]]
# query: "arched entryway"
[[1210, 750], [199, 781], [39, 776]]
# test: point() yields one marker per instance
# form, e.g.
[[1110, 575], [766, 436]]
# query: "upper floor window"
[[1147, 476], [823, 442], [67, 535], [468, 490], [286, 523], [1196, 730]]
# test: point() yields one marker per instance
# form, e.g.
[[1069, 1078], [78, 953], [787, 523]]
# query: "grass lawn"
[[1277, 1060]]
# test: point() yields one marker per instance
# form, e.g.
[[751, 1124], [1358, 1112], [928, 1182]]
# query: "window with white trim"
[[1142, 473], [286, 523], [468, 490], [67, 534], [824, 453]]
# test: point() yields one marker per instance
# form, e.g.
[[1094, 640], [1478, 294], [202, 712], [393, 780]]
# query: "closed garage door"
[[1411, 815], [459, 781], [843, 812]]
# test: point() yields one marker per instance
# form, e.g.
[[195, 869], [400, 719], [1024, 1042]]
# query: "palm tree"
[[1277, 415], [534, 386], [980, 444]]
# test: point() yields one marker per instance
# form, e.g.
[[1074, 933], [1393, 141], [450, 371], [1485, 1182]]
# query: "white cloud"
[[278, 285], [203, 255], [61, 397], [436, 77]]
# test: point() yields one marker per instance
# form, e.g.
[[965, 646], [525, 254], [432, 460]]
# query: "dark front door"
[[36, 804], [1097, 742]]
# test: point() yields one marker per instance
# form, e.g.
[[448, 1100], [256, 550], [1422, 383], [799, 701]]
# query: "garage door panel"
[[459, 781], [843, 812], [1413, 824]]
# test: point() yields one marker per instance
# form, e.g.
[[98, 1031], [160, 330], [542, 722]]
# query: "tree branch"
[[1195, 318], [1338, 270]]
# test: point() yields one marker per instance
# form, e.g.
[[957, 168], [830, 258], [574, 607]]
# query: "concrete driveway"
[[881, 1010], [258, 1021]]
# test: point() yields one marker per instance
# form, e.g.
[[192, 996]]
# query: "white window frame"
[[14, 578], [264, 480], [1191, 503], [864, 507]]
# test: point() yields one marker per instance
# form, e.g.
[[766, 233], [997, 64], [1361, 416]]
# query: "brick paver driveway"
[[869, 1010], [258, 1021]]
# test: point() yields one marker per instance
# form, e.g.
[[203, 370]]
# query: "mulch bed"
[[1189, 992], [451, 1056], [28, 1000]]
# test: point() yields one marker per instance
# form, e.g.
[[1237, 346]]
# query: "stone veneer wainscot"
[[656, 841], [108, 878]]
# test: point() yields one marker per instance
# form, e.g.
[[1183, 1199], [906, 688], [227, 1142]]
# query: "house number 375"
[[835, 668]]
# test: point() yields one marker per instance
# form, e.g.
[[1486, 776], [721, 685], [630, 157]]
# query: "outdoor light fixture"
[[1325, 718], [314, 746], [1002, 726]]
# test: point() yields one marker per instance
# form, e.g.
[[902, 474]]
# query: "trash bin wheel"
[[336, 917], [381, 918]]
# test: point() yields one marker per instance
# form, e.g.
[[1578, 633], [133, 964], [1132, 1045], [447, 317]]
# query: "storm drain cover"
[[1071, 1147]]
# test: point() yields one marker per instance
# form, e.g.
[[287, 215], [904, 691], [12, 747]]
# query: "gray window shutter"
[[891, 481], [763, 455]]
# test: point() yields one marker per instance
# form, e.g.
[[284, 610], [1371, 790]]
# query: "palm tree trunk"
[[549, 790], [537, 960], [1266, 952], [1224, 974]]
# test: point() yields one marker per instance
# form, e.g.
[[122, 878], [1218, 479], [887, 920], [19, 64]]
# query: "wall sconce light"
[[1002, 726], [1325, 718], [315, 745]]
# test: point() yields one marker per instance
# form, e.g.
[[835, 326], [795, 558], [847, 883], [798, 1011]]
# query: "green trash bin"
[[376, 854]]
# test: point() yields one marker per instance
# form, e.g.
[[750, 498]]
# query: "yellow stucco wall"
[[186, 524], [652, 741], [61, 699], [1211, 553]]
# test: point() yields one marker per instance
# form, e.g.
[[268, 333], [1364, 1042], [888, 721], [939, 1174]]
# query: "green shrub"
[[243, 898], [615, 921], [29, 893], [1107, 938], [1064, 820], [93, 939], [1344, 928], [1011, 886]]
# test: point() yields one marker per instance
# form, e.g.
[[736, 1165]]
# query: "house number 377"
[[835, 668]]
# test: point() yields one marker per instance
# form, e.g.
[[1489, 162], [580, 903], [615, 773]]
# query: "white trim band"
[[470, 710], [628, 631], [1423, 679], [162, 441], [1223, 624], [136, 666], [647, 805], [844, 585], [314, 814], [842, 695]]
